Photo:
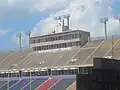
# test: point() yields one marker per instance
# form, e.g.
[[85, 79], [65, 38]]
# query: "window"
[[73, 36], [60, 37], [65, 37], [69, 37], [38, 41], [76, 35], [34, 41]]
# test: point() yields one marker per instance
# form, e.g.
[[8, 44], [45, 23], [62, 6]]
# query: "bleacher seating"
[[62, 84], [47, 84], [100, 52], [54, 58], [44, 59], [81, 56], [3, 55], [66, 57], [34, 84], [19, 84], [2, 83], [92, 44], [72, 86], [5, 86]]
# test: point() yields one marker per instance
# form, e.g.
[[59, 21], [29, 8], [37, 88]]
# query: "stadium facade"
[[69, 38]]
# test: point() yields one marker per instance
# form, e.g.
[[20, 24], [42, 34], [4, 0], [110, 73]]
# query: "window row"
[[66, 37], [56, 46]]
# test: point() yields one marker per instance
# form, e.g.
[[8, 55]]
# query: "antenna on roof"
[[62, 20]]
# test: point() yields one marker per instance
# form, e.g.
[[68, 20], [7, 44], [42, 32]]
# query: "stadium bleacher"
[[62, 84], [55, 58], [72, 86]]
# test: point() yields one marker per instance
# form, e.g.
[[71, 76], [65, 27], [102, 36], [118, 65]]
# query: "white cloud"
[[4, 32], [37, 5], [85, 15]]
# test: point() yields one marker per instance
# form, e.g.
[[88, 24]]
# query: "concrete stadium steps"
[[18, 85], [56, 57], [47, 84], [81, 56], [3, 55], [72, 86], [5, 86], [46, 59], [62, 84], [100, 52], [92, 44], [116, 51], [26, 60], [66, 57], [18, 59], [116, 54], [13, 56], [36, 82]]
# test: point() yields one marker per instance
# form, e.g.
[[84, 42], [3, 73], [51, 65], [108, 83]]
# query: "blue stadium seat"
[[63, 84], [10, 84], [19, 84], [34, 84]]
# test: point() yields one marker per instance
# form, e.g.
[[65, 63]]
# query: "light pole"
[[104, 21], [29, 34], [20, 40], [117, 17]]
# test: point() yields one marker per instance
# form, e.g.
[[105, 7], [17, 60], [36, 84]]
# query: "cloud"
[[85, 15], [37, 5], [4, 32]]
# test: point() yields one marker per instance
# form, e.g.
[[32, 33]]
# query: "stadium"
[[53, 60]]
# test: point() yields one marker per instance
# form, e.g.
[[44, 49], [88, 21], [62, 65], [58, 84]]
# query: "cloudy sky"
[[37, 16]]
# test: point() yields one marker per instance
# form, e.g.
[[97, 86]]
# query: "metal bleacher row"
[[55, 58]]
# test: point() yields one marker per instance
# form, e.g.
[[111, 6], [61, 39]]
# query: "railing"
[[112, 47], [93, 52]]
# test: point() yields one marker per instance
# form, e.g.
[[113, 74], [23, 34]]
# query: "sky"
[[37, 16]]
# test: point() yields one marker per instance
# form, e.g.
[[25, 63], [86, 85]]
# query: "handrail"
[[24, 59], [6, 58], [93, 52], [73, 56], [112, 47], [71, 85], [6, 66]]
